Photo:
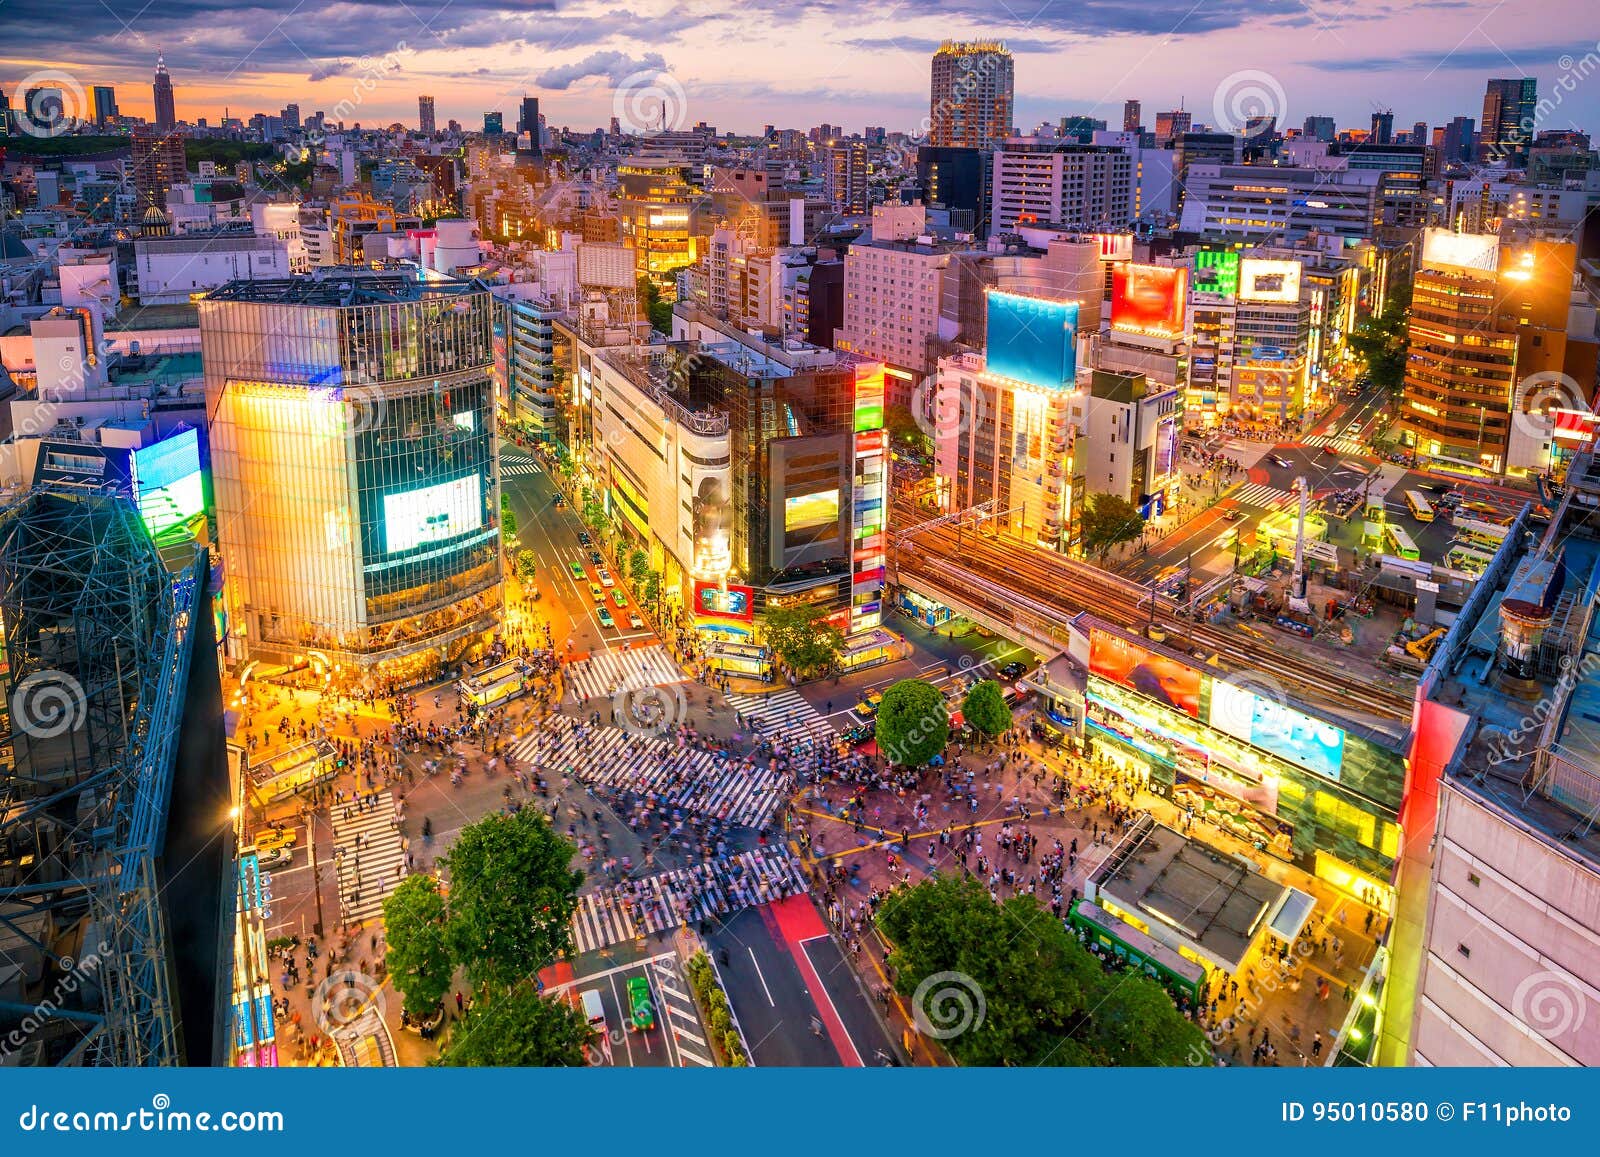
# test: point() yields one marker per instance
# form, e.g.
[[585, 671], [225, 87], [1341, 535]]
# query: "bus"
[[1464, 558], [1400, 544], [494, 686], [1116, 937], [1421, 508], [1483, 535]]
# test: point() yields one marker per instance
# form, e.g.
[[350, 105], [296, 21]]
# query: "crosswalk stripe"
[[606, 672], [367, 875], [1340, 443], [1259, 494], [788, 712]]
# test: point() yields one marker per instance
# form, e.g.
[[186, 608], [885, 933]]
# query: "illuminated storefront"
[[868, 516], [252, 1020]]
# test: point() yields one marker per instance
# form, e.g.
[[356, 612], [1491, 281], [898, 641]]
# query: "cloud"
[[1494, 61], [616, 67]]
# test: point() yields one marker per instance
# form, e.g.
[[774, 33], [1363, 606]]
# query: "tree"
[[652, 587], [594, 514], [508, 517], [1008, 984], [913, 722], [1109, 519], [904, 429], [985, 707], [638, 565], [802, 639], [512, 894], [1380, 340], [416, 951], [519, 1029], [527, 565], [659, 312]]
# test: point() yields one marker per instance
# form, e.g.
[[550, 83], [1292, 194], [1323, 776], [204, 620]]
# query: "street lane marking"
[[832, 1008], [760, 976]]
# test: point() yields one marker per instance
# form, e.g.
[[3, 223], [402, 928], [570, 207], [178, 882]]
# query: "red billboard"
[[721, 602], [1154, 676], [1147, 299]]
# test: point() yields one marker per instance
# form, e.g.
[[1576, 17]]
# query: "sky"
[[739, 64]]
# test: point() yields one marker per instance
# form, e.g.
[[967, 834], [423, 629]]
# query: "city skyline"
[[1208, 59]]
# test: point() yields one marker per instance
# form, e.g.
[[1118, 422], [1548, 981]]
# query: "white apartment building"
[[1053, 182], [171, 270], [1273, 203]]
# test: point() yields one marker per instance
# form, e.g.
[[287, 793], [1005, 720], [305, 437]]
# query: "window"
[[1464, 950], [1472, 878]]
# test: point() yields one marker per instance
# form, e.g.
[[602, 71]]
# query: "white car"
[[605, 577], [1353, 428], [635, 622]]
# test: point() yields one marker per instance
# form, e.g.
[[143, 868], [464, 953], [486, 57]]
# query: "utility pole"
[[316, 872]]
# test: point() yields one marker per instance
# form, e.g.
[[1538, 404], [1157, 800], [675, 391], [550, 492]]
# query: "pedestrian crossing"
[[1338, 442], [604, 673], [371, 868], [784, 713], [650, 904], [672, 993], [1260, 494], [678, 776], [519, 467]]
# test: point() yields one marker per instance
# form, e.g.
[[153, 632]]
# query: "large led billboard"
[[814, 511], [1033, 340], [1272, 726], [1462, 250], [730, 602], [435, 513], [1216, 271], [1147, 299], [1155, 676], [167, 481], [1262, 280]]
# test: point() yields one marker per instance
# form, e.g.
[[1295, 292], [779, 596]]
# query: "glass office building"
[[354, 454]]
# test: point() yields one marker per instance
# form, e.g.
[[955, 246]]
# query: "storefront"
[[869, 648], [738, 658], [292, 772], [924, 610]]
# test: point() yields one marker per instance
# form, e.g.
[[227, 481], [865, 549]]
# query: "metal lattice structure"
[[97, 619]]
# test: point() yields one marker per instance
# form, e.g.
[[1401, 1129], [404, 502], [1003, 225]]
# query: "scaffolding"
[[98, 640]]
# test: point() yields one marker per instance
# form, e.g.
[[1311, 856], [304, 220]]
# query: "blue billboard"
[[1033, 340], [1272, 726]]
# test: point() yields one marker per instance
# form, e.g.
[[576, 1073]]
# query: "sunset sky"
[[745, 63]]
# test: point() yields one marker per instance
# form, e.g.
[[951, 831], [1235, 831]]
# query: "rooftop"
[[345, 286]]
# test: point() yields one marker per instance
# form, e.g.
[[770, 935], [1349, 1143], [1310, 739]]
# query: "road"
[[678, 1039]]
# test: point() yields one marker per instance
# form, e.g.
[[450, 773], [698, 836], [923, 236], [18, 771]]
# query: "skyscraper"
[[1382, 128], [493, 124], [166, 110], [1320, 128], [844, 176], [291, 116], [425, 115], [528, 122], [1131, 122], [1172, 124], [158, 164], [105, 104], [971, 99], [1458, 136], [1508, 119]]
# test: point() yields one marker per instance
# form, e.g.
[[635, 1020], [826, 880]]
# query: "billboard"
[[1033, 340], [1154, 676], [435, 513], [1462, 250], [811, 511], [1148, 299], [1275, 727], [1262, 280], [731, 602], [167, 482], [606, 265], [1115, 246], [1216, 271]]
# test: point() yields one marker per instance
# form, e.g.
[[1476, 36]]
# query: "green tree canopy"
[[1109, 519], [903, 429], [913, 722], [1381, 340], [416, 951], [801, 638], [512, 894], [519, 1029], [594, 514], [527, 564], [638, 565], [985, 707], [1008, 984], [658, 311], [508, 517]]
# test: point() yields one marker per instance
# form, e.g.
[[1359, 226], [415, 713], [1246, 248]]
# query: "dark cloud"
[[1498, 61]]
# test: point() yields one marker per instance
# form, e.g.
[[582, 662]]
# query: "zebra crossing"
[[672, 993], [682, 777], [519, 467], [1260, 494], [651, 904], [1338, 442], [605, 673], [368, 873], [785, 713]]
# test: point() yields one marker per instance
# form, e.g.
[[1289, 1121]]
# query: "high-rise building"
[[1236, 202], [844, 176], [1130, 117], [1419, 133], [158, 164], [1172, 124], [1320, 128], [957, 180], [353, 452], [291, 116], [1508, 120], [493, 124], [425, 122], [1070, 185], [971, 98], [105, 104], [1458, 140], [166, 108], [1382, 128], [528, 119], [654, 200]]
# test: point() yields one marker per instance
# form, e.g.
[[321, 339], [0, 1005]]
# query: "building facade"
[[971, 97]]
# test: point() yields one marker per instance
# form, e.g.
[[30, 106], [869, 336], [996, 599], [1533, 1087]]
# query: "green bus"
[[1114, 935]]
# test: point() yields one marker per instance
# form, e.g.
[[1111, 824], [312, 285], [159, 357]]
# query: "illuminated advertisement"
[[867, 489], [1033, 340], [1154, 676], [1115, 246], [1289, 734], [1216, 271], [1147, 299], [167, 482], [811, 511], [414, 518], [1462, 250], [1261, 280], [724, 602], [1166, 447], [1574, 425]]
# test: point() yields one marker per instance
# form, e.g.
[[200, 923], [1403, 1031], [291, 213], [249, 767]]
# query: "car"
[[593, 1010], [1232, 514], [1013, 670], [606, 620], [1279, 461], [605, 577], [583, 538], [635, 622], [272, 838], [641, 1009], [274, 857], [868, 706], [559, 502], [1353, 429], [618, 597], [594, 557], [577, 570], [859, 733], [1329, 450], [597, 592]]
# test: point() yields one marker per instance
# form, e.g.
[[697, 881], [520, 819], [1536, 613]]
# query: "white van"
[[593, 1010]]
